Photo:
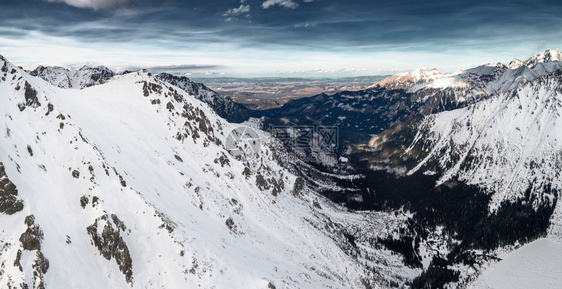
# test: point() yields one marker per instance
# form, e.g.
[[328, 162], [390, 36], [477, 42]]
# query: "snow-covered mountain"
[[77, 78], [509, 144], [471, 85], [129, 184], [408, 79], [493, 169], [90, 76], [548, 55]]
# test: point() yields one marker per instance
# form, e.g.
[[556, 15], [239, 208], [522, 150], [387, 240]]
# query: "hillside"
[[128, 184]]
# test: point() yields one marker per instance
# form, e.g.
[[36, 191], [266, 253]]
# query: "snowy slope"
[[535, 265], [128, 184]]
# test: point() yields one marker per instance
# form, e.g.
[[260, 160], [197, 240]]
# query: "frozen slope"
[[127, 184], [535, 265]]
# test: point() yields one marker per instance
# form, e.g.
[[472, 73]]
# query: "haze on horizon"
[[275, 37]]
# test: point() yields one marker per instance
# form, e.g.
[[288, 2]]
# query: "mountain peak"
[[548, 55], [80, 78], [515, 63], [424, 73], [99, 67], [408, 79]]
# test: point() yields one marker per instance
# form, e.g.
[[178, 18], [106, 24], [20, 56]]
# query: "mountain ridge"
[[482, 80], [76, 79], [119, 189], [92, 76]]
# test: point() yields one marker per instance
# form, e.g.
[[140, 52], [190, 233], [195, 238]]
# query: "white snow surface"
[[535, 265], [189, 220]]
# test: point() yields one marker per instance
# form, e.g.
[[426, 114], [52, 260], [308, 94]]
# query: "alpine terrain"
[[424, 180], [129, 184]]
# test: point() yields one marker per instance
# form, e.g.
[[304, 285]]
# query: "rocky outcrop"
[[9, 202], [106, 236]]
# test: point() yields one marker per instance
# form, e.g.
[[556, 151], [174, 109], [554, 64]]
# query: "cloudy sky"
[[276, 37]]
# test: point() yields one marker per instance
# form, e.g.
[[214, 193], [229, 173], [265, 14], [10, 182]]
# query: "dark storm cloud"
[[314, 24], [413, 23], [150, 23]]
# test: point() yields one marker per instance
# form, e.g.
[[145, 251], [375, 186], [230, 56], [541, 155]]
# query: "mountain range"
[[474, 155], [401, 97], [114, 180]]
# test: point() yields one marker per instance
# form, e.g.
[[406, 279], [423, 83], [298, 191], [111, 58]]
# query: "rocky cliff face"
[[224, 106]]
